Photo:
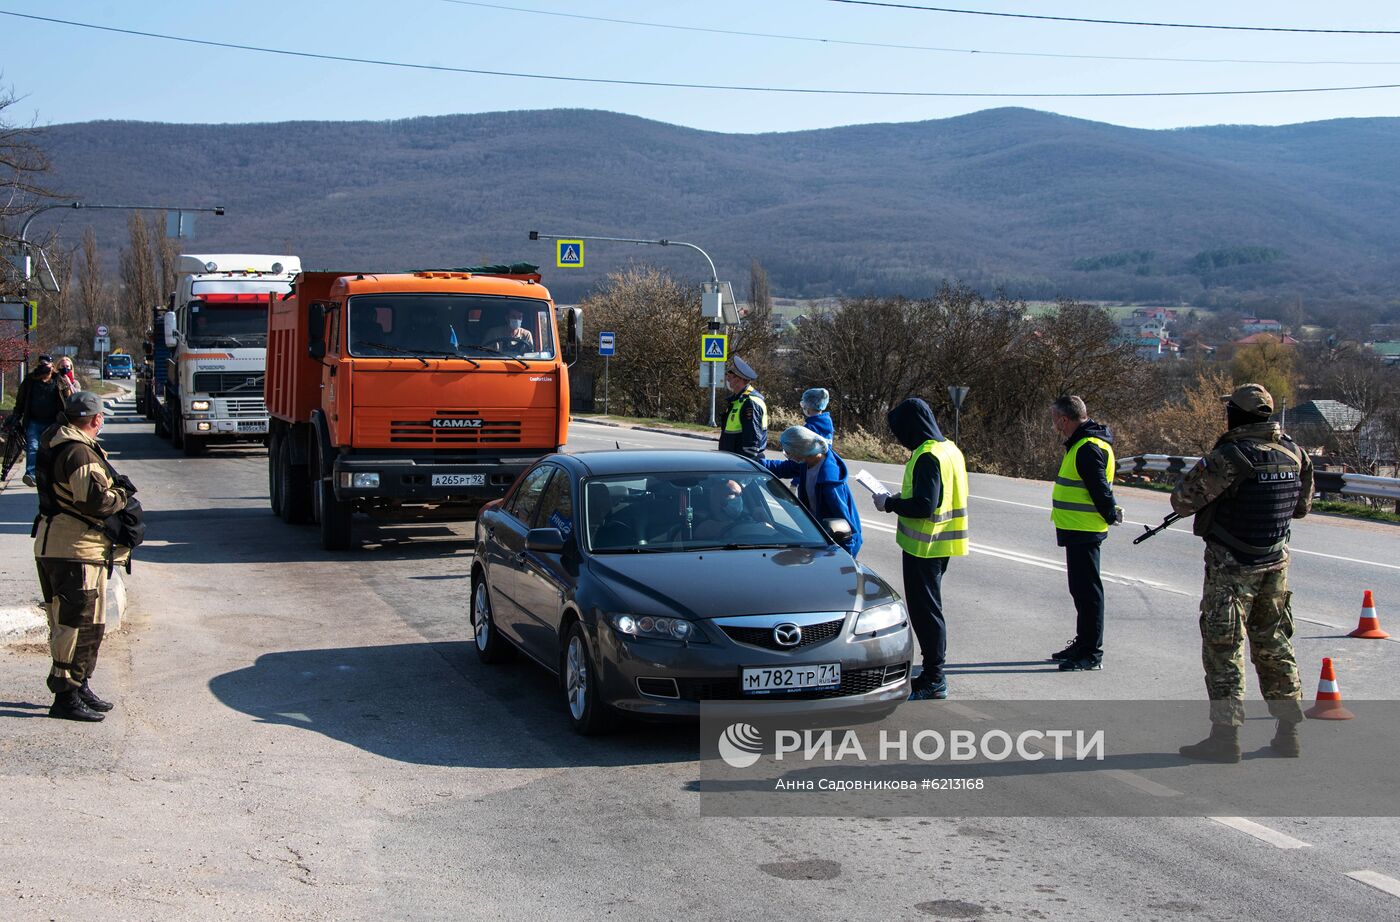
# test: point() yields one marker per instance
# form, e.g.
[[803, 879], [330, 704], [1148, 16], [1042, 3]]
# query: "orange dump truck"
[[410, 395]]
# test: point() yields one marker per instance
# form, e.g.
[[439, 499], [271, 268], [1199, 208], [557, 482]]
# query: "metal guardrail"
[[1323, 481]]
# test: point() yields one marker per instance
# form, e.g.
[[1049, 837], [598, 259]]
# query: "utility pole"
[[27, 262], [713, 286]]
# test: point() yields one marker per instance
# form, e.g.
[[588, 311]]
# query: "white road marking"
[[1260, 832], [1147, 786], [1379, 881]]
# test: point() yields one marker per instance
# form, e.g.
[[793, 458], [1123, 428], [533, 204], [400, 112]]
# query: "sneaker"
[[28, 480], [1069, 652], [1082, 664], [929, 691]]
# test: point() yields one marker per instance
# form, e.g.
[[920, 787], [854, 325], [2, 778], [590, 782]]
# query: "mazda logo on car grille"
[[787, 634], [456, 422]]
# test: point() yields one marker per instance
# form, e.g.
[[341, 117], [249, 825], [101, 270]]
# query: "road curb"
[[23, 623], [658, 429]]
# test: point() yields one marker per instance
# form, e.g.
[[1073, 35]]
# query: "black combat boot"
[[1223, 745], [1285, 741], [91, 700], [69, 706]]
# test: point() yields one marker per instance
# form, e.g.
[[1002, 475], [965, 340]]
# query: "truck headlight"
[[363, 480], [204, 427], [881, 617], [199, 404]]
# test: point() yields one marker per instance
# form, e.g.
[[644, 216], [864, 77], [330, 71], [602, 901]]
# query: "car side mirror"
[[545, 540], [838, 528], [574, 326]]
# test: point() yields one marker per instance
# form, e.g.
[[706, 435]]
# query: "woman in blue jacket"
[[820, 476], [814, 401]]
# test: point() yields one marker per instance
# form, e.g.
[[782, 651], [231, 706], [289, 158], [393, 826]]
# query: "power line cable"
[[1113, 22], [819, 40], [812, 91]]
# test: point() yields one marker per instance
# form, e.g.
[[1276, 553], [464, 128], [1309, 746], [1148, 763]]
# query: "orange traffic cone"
[[1329, 697], [1370, 626]]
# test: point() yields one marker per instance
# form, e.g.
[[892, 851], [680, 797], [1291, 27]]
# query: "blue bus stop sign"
[[607, 344]]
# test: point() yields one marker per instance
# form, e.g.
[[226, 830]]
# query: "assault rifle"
[[1149, 532]]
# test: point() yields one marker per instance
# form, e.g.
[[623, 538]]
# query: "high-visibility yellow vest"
[[945, 533], [1072, 508], [734, 424]]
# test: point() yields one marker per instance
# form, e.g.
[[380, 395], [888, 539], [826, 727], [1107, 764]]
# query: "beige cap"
[[1252, 398]]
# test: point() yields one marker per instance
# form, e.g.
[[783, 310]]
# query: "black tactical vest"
[[1252, 518]]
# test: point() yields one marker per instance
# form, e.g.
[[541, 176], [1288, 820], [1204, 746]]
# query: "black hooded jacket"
[[913, 423], [1092, 464]]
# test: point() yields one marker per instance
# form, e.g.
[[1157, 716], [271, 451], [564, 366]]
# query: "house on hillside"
[[1259, 325], [1336, 433], [1387, 352], [1160, 314], [1260, 339]]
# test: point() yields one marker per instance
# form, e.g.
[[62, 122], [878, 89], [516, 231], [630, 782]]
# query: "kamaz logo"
[[459, 422]]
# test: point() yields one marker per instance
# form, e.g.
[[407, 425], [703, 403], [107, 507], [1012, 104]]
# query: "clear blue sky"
[[67, 74]]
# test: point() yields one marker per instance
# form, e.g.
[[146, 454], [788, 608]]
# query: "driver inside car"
[[724, 512], [512, 334]]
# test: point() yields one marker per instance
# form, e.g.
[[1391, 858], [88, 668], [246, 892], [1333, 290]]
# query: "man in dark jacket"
[[1082, 508], [745, 429], [820, 478], [932, 510], [38, 402]]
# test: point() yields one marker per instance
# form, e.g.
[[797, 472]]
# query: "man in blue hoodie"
[[1082, 508], [932, 510], [820, 477]]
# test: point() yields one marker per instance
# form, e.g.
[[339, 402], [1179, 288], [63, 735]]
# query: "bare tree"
[[92, 292], [140, 276], [22, 162]]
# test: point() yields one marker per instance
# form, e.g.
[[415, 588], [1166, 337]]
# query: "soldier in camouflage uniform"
[[1244, 494]]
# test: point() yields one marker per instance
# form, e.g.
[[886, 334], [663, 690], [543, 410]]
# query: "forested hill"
[[1039, 204]]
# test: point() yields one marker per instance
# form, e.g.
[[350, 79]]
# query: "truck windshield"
[[473, 326], [233, 325]]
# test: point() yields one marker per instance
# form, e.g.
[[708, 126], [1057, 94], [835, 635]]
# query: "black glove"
[[123, 483]]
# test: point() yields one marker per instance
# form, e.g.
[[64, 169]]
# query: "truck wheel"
[[274, 476], [295, 487], [333, 515], [194, 446]]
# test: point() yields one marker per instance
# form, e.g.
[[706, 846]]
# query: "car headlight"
[[880, 618], [658, 628], [199, 404]]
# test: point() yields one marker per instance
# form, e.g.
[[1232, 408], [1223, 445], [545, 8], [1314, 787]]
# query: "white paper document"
[[867, 480]]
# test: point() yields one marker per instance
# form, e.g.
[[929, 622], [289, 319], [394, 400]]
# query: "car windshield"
[[471, 326], [656, 513]]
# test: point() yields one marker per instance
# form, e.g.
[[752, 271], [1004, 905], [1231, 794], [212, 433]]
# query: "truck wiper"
[[397, 350], [523, 364]]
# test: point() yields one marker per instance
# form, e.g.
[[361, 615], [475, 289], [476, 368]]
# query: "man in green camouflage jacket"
[[1244, 495]]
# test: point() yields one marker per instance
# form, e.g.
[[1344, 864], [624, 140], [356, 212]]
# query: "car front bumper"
[[874, 672]]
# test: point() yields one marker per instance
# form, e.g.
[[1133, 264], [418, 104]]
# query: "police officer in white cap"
[[746, 424]]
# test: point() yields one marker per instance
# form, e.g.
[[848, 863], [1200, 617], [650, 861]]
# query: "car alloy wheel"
[[491, 647], [576, 678]]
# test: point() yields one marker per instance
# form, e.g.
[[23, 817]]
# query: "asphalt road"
[[307, 735]]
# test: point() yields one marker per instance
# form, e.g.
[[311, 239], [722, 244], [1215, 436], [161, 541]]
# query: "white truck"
[[216, 333]]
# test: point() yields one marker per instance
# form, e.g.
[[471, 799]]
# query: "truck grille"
[[218, 383], [245, 408], [423, 431]]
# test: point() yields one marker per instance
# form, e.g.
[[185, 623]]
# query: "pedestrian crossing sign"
[[568, 254], [714, 347]]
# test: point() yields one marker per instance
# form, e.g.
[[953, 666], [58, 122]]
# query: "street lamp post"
[[714, 278], [27, 262]]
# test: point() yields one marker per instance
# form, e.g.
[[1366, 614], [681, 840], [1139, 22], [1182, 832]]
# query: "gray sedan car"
[[653, 581]]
